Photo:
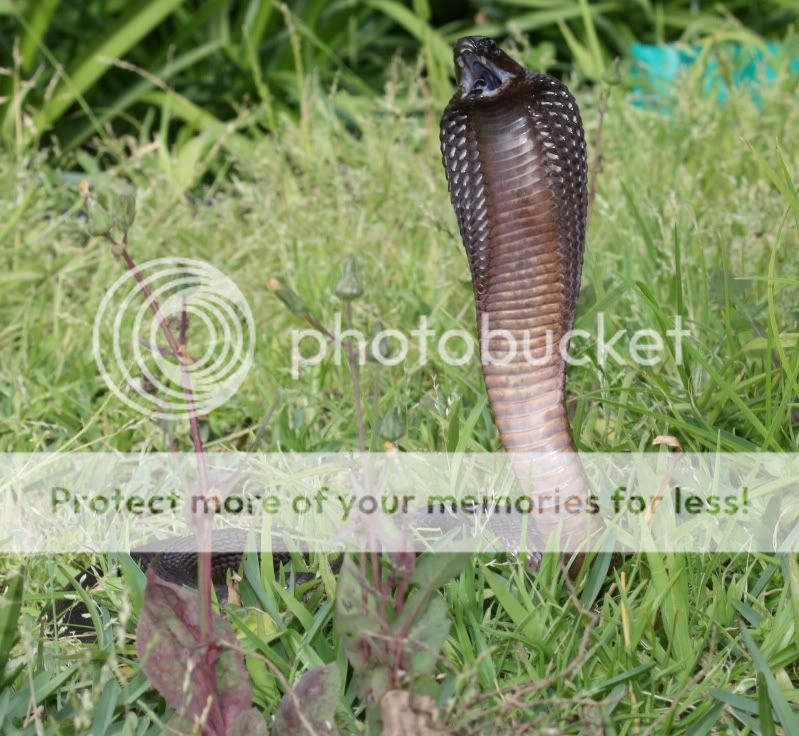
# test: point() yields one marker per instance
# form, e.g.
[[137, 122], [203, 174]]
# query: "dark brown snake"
[[515, 159]]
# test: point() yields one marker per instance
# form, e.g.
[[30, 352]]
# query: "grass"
[[77, 68], [693, 217]]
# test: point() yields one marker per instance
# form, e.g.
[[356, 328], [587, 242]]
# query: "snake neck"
[[524, 306], [516, 169]]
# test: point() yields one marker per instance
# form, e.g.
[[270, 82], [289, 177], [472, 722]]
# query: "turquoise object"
[[656, 68]]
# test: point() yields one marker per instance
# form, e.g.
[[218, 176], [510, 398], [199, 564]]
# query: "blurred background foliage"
[[195, 71]]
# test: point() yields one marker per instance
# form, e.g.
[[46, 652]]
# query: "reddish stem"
[[352, 359], [178, 349]]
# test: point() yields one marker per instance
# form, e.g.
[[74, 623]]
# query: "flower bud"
[[99, 222], [125, 211], [392, 427], [349, 286]]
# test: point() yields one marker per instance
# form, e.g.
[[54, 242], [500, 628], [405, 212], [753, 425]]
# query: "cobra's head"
[[482, 69]]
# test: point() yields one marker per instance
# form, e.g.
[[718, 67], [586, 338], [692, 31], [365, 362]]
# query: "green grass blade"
[[256, 20], [580, 53], [596, 579], [10, 605], [764, 707], [791, 573], [437, 51], [784, 711], [708, 721], [202, 120], [134, 94], [739, 702], [41, 15], [729, 391], [112, 45], [591, 38], [43, 685], [790, 186], [671, 586], [782, 183], [551, 15], [520, 616]]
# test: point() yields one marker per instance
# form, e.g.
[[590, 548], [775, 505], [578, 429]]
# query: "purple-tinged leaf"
[[250, 723], [428, 634], [204, 681], [309, 709]]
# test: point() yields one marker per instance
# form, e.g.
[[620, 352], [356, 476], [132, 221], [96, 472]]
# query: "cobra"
[[515, 159]]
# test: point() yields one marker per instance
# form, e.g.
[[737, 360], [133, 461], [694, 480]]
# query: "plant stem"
[[352, 359], [178, 349], [596, 161], [406, 563]]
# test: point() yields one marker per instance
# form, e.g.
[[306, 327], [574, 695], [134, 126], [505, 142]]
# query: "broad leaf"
[[435, 569], [432, 572], [310, 708], [426, 637], [250, 723], [198, 679]]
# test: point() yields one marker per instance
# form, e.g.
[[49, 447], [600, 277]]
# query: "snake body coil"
[[515, 158]]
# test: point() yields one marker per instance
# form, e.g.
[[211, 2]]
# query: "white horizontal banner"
[[621, 502]]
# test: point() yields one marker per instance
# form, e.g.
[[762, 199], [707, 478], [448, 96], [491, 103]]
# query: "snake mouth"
[[476, 74]]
